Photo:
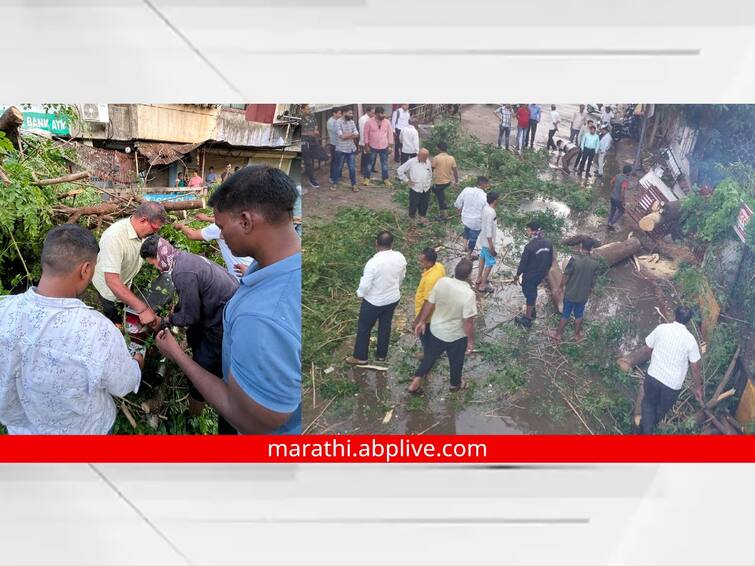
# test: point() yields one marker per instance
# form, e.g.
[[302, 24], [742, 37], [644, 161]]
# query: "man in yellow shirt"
[[432, 270], [444, 167]]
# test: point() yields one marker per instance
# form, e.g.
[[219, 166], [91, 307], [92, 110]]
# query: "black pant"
[[307, 154], [586, 157], [617, 209], [656, 402], [209, 357], [406, 157], [397, 145], [333, 161], [440, 194], [503, 135], [435, 347], [425, 339], [531, 133], [418, 202], [110, 310], [369, 314], [551, 143]]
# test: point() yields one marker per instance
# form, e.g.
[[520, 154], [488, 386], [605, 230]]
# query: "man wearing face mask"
[[60, 360], [261, 351]]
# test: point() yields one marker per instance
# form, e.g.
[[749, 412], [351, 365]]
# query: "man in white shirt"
[[577, 121], [409, 139], [487, 241], [606, 116], [380, 291], [603, 146], [399, 121], [60, 360], [555, 119], [418, 173], [671, 347], [567, 151], [453, 307], [236, 266], [470, 202], [364, 159]]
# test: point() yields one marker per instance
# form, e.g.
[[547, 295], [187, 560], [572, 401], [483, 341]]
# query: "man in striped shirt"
[[671, 348], [504, 113], [346, 134]]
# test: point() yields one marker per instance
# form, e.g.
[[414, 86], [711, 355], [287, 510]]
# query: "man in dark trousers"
[[380, 291], [619, 186], [536, 260], [672, 349]]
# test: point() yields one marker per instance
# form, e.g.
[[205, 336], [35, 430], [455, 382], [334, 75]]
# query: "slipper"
[[463, 385], [351, 360], [487, 289]]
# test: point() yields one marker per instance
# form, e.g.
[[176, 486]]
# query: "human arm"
[[121, 373], [401, 172], [229, 399], [190, 233], [240, 269], [523, 264], [201, 216], [456, 174], [368, 276], [469, 331], [420, 323], [128, 298]]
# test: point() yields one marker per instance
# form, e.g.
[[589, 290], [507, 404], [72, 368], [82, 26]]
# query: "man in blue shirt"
[[534, 121], [261, 388], [589, 146]]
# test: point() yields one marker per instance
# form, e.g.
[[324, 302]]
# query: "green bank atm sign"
[[36, 119]]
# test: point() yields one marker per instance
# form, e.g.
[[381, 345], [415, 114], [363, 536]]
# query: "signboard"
[[745, 213], [36, 119]]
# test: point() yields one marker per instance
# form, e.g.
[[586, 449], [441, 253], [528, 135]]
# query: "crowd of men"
[[61, 361], [445, 307]]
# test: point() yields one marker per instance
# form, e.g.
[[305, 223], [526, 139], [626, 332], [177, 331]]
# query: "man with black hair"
[[310, 145], [60, 360], [432, 271], [399, 120], [453, 307], [588, 145], [504, 113], [380, 291], [119, 261], [378, 139], [576, 287], [347, 134], [332, 127], [671, 348], [536, 260], [261, 388], [470, 202], [487, 251], [203, 289], [444, 171], [364, 159], [619, 186]]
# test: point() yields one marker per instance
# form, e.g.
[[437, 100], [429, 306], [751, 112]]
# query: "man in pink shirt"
[[378, 139], [196, 180]]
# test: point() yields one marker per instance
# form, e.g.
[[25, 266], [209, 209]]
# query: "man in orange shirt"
[[444, 166]]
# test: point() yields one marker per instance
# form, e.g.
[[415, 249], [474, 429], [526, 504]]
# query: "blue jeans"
[[577, 308], [383, 162], [350, 160], [521, 137], [471, 236]]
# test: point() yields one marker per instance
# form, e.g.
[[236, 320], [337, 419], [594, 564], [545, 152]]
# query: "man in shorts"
[[487, 235]]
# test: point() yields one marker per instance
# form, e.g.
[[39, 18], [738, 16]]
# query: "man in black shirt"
[[536, 260], [203, 289]]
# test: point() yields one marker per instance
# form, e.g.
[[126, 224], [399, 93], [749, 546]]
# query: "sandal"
[[487, 289], [418, 389], [351, 360]]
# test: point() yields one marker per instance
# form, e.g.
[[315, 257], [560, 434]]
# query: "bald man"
[[417, 172]]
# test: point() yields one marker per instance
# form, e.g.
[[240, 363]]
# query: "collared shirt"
[[384, 272], [523, 117], [430, 277], [400, 118], [419, 172], [605, 143], [443, 168], [555, 118], [471, 201], [590, 141], [673, 348], [409, 139], [377, 136], [488, 229], [578, 119], [212, 232], [60, 362], [262, 338], [504, 113], [454, 301], [345, 127], [332, 131], [119, 253], [606, 117], [534, 112], [362, 122]]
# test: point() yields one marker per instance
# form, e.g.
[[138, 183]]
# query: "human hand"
[[167, 344], [470, 347], [155, 325], [147, 316], [516, 279], [493, 252], [240, 269], [699, 396], [139, 359], [419, 329], [204, 217]]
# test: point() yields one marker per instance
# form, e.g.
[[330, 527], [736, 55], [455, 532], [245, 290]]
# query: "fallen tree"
[[667, 217], [119, 209]]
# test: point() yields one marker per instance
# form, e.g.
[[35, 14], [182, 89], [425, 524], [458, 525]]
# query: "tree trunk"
[[649, 222], [618, 251], [64, 179], [577, 239], [554, 277], [74, 213], [632, 359]]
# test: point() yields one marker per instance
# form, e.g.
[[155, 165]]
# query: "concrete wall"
[[179, 123]]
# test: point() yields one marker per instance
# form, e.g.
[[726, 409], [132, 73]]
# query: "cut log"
[[554, 278], [651, 221], [64, 179], [74, 213], [577, 239], [616, 252], [632, 359]]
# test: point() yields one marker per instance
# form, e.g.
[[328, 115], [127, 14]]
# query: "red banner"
[[378, 449]]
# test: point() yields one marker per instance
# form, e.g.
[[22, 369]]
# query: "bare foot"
[[555, 336], [415, 387], [579, 336]]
